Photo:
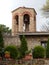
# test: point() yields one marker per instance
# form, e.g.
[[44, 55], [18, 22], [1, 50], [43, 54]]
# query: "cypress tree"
[[23, 46], [47, 49], [1, 41]]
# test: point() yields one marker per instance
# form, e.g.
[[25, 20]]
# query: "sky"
[[6, 6]]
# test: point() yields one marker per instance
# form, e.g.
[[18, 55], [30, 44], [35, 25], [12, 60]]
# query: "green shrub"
[[23, 46], [7, 52], [47, 49], [19, 53], [1, 43], [13, 51], [38, 52]]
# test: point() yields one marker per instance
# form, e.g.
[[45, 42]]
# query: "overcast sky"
[[6, 6]]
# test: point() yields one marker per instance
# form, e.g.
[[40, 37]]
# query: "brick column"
[[14, 27], [32, 25], [20, 23]]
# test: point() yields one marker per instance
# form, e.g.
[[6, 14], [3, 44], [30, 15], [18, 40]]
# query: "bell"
[[26, 19]]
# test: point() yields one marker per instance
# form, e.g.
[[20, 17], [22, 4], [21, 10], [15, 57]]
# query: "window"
[[16, 19], [44, 43], [26, 20]]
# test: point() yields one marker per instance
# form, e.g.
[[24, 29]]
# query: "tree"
[[45, 12], [47, 49], [4, 29], [45, 9], [23, 46], [1, 40], [1, 43]]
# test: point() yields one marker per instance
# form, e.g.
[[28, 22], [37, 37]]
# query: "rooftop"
[[24, 8]]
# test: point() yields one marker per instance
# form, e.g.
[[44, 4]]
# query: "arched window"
[[17, 18], [26, 18]]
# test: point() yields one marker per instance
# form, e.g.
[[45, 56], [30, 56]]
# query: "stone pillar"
[[32, 25], [20, 23], [14, 27]]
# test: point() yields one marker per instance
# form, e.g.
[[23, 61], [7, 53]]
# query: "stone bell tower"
[[23, 20]]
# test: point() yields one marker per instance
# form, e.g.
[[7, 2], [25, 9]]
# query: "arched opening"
[[17, 18], [26, 20], [17, 22]]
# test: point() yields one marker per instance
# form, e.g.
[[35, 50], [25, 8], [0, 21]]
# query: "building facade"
[[24, 23]]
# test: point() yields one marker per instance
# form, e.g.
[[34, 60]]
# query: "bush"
[[19, 53], [47, 49], [1, 43], [38, 52], [23, 46], [13, 51]]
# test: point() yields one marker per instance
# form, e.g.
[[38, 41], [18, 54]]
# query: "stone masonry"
[[24, 23], [21, 11], [32, 41]]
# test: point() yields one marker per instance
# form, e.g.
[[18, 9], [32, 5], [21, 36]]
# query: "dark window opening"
[[44, 43], [26, 19], [17, 19]]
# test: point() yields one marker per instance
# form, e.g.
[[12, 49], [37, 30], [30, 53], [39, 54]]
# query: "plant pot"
[[7, 54]]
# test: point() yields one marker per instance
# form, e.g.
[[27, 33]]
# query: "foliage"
[[21, 37], [47, 49], [4, 29], [7, 52], [46, 6], [13, 51], [45, 12], [23, 46], [1, 42], [45, 9], [38, 52], [19, 53]]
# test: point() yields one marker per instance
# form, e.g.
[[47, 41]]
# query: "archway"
[[26, 20]]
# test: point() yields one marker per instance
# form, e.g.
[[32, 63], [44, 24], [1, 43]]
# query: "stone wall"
[[37, 62], [29, 62], [15, 40], [8, 40], [32, 41]]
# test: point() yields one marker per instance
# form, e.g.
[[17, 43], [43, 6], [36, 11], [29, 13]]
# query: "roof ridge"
[[25, 8]]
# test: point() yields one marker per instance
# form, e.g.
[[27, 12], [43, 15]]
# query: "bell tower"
[[23, 20]]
